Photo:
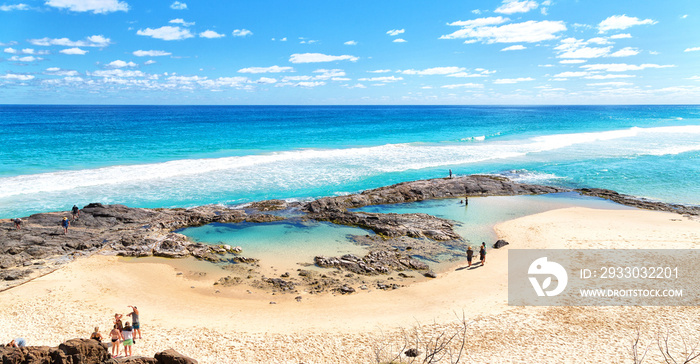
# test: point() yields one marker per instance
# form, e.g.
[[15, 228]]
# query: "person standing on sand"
[[128, 335], [115, 335], [76, 212], [118, 321], [65, 223], [470, 255], [482, 253], [96, 335], [135, 320]]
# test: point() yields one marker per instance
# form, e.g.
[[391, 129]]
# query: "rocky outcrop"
[[640, 203], [500, 244], [376, 262], [82, 351]]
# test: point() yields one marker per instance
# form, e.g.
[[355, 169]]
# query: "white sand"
[[234, 326]]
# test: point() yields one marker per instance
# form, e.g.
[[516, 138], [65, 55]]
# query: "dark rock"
[[411, 353], [171, 356], [280, 284], [500, 244], [84, 351], [229, 281], [430, 274], [346, 290]]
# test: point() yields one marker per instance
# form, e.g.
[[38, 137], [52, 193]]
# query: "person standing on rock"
[[65, 223], [18, 223], [470, 255], [450, 173], [482, 253], [76, 212], [128, 336], [135, 320]]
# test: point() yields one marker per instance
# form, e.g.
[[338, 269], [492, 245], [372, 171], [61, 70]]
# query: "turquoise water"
[[53, 157]]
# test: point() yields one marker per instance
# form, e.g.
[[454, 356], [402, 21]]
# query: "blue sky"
[[349, 52]]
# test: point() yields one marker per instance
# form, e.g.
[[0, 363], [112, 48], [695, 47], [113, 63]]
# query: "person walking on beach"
[[135, 320], [482, 253], [76, 212], [18, 223], [65, 223], [128, 336], [115, 335], [470, 255], [96, 335]]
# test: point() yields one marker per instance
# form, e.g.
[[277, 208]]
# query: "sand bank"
[[185, 311]]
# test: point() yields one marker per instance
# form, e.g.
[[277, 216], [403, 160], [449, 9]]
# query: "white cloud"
[[399, 40], [182, 22], [382, 79], [526, 32], [11, 50], [622, 67], [433, 71], [16, 77], [350, 42], [379, 71], [626, 52], [24, 59], [73, 51], [514, 6], [95, 6], [684, 16], [517, 47], [610, 84], [480, 22], [266, 80], [166, 32], [598, 40], [480, 72], [586, 52], [141, 53], [319, 57], [608, 76], [464, 85], [621, 36], [513, 80], [271, 69], [476, 11], [359, 85], [55, 71], [150, 61], [178, 6], [117, 73], [325, 74], [570, 74], [211, 34], [395, 32], [693, 49], [14, 7], [91, 41], [620, 22], [572, 61], [242, 32], [121, 64]]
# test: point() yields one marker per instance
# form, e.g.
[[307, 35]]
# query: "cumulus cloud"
[[319, 57], [178, 6], [626, 52], [150, 61], [242, 32], [166, 32], [577, 48], [91, 41], [621, 36], [55, 71], [73, 51], [19, 6], [464, 85], [350, 42], [693, 49], [211, 34], [381, 79], [620, 22], [399, 40], [95, 6], [379, 71], [16, 77], [141, 53], [181, 22], [395, 32], [622, 67], [514, 48], [513, 80], [121, 64], [434, 71], [271, 69], [514, 6], [486, 31], [24, 59]]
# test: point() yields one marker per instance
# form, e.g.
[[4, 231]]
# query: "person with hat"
[[65, 223]]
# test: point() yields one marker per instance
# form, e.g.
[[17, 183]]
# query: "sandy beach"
[[182, 309]]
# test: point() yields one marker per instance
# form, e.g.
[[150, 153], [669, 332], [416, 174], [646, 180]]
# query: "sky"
[[258, 52]]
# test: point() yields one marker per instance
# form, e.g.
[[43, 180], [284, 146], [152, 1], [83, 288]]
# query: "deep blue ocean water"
[[53, 157]]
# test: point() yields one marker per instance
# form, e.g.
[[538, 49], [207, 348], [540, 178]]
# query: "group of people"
[[65, 223], [482, 254], [124, 333]]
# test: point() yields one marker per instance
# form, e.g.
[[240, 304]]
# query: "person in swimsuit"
[[115, 335], [128, 335], [65, 223], [135, 320], [470, 255], [96, 335]]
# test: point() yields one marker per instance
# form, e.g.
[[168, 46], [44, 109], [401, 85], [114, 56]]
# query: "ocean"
[[53, 157]]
